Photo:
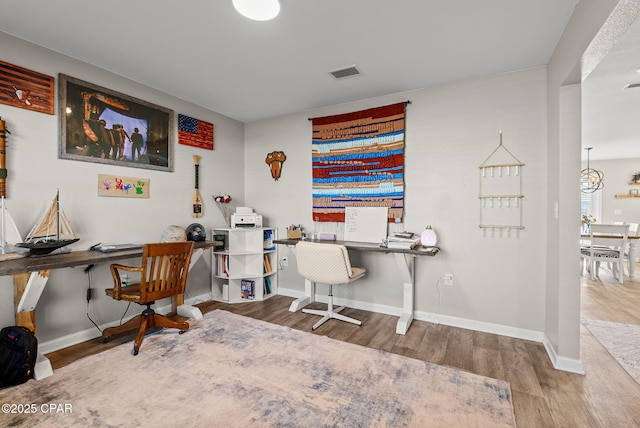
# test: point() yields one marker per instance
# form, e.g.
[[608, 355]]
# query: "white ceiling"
[[610, 111], [203, 51]]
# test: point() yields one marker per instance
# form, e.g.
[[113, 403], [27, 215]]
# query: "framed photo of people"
[[104, 126]]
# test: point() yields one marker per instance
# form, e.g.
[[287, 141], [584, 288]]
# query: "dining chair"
[[608, 244], [327, 264], [633, 231]]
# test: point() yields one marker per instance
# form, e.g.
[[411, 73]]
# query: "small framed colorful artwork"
[[125, 187]]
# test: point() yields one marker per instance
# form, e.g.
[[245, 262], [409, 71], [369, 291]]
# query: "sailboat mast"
[[58, 213]]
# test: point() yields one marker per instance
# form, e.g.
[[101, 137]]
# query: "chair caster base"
[[105, 339]]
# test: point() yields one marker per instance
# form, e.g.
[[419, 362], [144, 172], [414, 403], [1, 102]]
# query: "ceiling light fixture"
[[591, 179], [258, 10]]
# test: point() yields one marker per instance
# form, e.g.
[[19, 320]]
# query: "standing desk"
[[30, 275], [404, 260]]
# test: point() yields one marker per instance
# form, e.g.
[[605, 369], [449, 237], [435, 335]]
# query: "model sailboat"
[[53, 231]]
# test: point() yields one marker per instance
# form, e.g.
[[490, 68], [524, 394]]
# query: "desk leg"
[[177, 303], [28, 289], [633, 247], [406, 266], [309, 296]]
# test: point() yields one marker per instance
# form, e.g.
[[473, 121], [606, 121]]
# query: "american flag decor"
[[194, 132]]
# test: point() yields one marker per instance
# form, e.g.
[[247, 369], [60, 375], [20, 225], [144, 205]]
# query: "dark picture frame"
[[104, 126]]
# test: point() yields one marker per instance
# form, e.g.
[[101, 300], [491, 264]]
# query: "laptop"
[[110, 248]]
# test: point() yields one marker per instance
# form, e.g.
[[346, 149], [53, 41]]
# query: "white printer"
[[244, 217]]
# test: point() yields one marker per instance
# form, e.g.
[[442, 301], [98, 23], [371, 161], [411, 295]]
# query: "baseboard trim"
[[570, 365], [559, 362], [91, 333], [468, 324]]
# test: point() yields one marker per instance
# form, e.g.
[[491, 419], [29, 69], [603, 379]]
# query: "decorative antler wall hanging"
[[275, 160]]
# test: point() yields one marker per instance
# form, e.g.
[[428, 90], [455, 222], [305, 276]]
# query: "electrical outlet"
[[447, 279], [284, 262]]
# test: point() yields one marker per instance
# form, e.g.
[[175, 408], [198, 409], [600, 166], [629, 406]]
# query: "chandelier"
[[591, 179]]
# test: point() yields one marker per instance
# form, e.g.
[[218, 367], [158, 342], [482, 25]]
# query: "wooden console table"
[[404, 261], [30, 275]]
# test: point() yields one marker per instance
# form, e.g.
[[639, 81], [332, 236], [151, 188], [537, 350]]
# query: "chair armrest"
[[117, 281]]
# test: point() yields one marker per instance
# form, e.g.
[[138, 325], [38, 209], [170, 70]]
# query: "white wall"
[[35, 172], [450, 131], [525, 285], [617, 176], [562, 214]]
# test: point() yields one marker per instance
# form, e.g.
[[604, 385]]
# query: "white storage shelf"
[[246, 268]]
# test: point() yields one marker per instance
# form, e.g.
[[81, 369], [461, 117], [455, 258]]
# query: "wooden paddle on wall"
[[196, 203]]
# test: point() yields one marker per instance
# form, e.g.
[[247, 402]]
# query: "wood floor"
[[542, 396]]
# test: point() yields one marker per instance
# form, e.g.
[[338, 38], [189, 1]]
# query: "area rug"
[[622, 341], [233, 371]]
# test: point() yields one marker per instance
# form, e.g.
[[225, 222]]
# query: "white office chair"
[[608, 243], [327, 264]]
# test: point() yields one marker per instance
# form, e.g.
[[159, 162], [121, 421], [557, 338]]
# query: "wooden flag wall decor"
[[195, 132], [358, 161], [20, 87]]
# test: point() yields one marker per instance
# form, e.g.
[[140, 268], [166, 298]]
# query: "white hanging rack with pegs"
[[500, 191]]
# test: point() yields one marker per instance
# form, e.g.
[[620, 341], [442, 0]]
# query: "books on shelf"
[[220, 242], [267, 264], [266, 288], [247, 290], [268, 240], [222, 268]]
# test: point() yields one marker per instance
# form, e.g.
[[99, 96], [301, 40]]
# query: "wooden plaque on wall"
[[24, 88]]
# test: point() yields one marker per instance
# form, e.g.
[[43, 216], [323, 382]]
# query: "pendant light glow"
[[258, 10]]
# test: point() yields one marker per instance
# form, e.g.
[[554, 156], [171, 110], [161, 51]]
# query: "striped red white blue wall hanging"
[[358, 161]]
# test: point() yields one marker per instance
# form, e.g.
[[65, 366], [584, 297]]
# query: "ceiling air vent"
[[344, 72], [633, 85]]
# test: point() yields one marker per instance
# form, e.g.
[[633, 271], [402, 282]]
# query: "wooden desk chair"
[[327, 264], [163, 274], [607, 243]]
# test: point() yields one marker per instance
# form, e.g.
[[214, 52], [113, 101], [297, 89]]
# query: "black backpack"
[[18, 353]]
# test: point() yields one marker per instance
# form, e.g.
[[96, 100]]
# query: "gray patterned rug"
[[233, 371], [622, 341]]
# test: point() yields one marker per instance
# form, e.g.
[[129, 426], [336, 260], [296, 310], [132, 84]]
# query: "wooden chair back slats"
[[164, 268], [163, 273]]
